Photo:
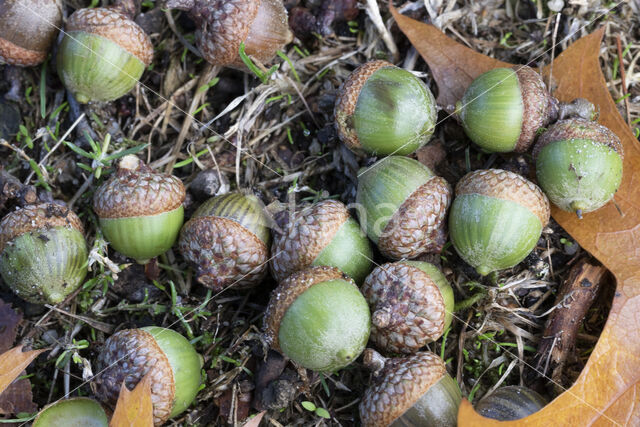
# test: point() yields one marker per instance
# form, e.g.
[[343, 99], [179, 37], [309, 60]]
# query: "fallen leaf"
[[9, 320], [606, 392], [12, 363], [17, 398], [134, 408], [255, 421]]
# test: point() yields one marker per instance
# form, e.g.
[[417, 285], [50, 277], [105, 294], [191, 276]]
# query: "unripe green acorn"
[[76, 412], [409, 391], [25, 36], [140, 210], [318, 318], [411, 304], [43, 254], [227, 239], [403, 207], [383, 109], [323, 234], [103, 54], [496, 219], [510, 403], [578, 165], [166, 356]]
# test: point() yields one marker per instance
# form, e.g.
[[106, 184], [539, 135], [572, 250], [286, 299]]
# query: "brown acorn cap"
[[408, 310], [26, 37], [129, 355], [115, 26], [418, 226], [288, 291], [36, 217], [348, 100], [311, 230], [565, 130], [398, 386], [136, 190], [537, 104], [506, 185]]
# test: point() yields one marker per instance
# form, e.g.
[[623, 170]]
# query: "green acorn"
[[323, 234], [166, 356], [76, 412], [496, 219], [103, 54], [43, 254], [409, 391], [383, 109], [403, 207], [227, 239], [510, 403], [579, 165], [318, 318], [140, 210]]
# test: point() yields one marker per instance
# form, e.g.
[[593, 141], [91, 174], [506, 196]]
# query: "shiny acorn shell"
[[26, 37], [165, 355], [578, 165], [140, 210], [502, 109], [410, 391], [79, 411], [318, 318], [383, 109], [411, 305], [510, 403], [227, 239], [103, 54], [224, 24], [43, 254], [496, 219], [322, 234], [402, 206]]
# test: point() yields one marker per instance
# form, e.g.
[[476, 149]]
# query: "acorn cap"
[[289, 290], [506, 185], [128, 356], [538, 105], [27, 45], [36, 217], [398, 386], [113, 25], [136, 190], [408, 308], [566, 130]]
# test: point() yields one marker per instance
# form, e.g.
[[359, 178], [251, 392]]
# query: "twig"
[[623, 78], [374, 13]]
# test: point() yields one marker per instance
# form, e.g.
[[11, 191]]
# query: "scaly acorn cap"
[[411, 304], [310, 234], [565, 130], [227, 239], [26, 37]]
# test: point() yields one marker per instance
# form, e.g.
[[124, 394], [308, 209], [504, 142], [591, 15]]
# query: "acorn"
[[25, 36], [578, 165], [318, 318], [409, 391], [503, 109], [510, 403], [496, 219], [383, 109], [224, 24], [227, 239], [79, 411], [323, 234], [140, 210], [411, 304], [402, 206], [43, 254], [103, 54], [166, 356]]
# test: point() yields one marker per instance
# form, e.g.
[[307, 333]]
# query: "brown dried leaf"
[[606, 392], [12, 363], [9, 320], [255, 421], [134, 408], [17, 398]]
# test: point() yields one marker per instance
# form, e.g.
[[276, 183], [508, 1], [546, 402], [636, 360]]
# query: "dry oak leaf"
[[606, 392], [134, 408], [13, 362], [9, 321]]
